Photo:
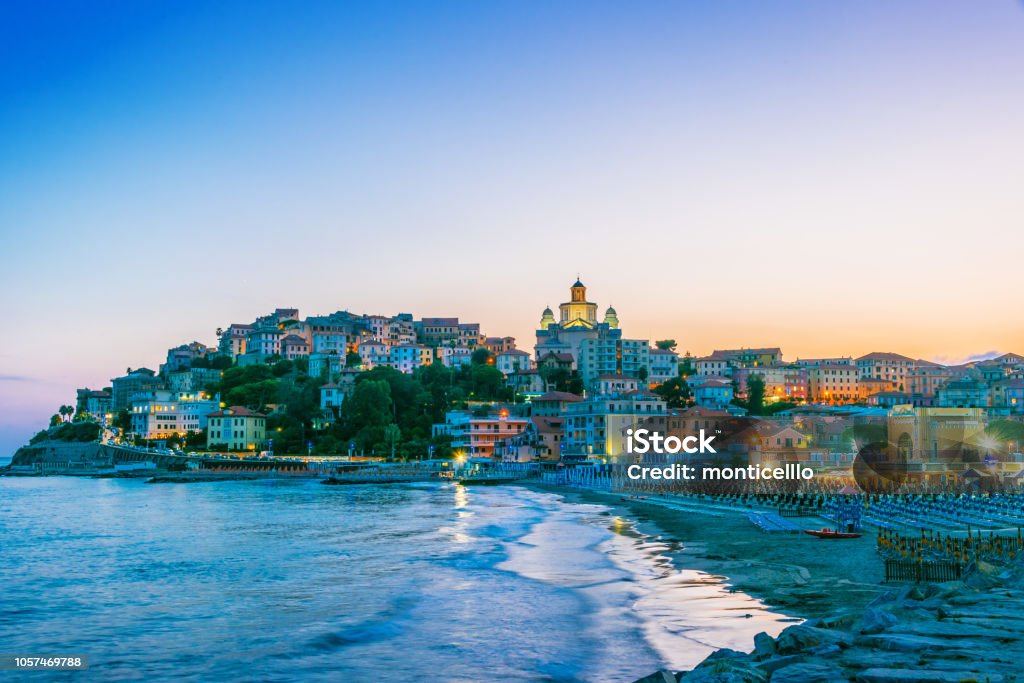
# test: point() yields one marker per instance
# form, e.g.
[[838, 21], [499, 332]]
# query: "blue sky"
[[831, 177]]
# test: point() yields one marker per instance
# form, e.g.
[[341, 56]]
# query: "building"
[[137, 381], [181, 357], [233, 339], [605, 354], [526, 382], [237, 429], [454, 356], [834, 383], [595, 428], [499, 345], [407, 357], [552, 404], [712, 393], [192, 380], [263, 342], [782, 381], [373, 353], [325, 365], [888, 366], [723, 362], [294, 347], [513, 360], [931, 444], [964, 393], [331, 397], [889, 399], [161, 414], [663, 366], [475, 436], [1008, 397], [96, 403], [578, 327], [448, 332], [924, 380], [540, 441]]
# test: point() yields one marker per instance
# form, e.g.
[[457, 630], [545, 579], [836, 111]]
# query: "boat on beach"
[[832, 533]]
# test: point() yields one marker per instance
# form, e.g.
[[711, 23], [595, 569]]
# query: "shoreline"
[[797, 574]]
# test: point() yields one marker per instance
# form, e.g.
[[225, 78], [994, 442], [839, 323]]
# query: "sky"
[[833, 178]]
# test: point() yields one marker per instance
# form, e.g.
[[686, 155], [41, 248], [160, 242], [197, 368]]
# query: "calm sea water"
[[299, 581]]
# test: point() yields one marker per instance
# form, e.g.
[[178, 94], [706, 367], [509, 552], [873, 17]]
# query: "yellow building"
[[833, 383], [238, 429], [578, 312]]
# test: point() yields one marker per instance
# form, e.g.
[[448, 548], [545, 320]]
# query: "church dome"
[[611, 318], [547, 318]]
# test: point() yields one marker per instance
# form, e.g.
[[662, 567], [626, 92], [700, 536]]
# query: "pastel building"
[[833, 383], [237, 429], [888, 366], [712, 393], [475, 436]]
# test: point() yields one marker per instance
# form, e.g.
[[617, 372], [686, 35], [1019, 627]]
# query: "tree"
[[392, 433], [675, 392], [686, 365], [666, 344], [367, 412], [353, 360], [642, 374], [55, 420], [123, 420], [65, 413], [755, 395], [481, 356]]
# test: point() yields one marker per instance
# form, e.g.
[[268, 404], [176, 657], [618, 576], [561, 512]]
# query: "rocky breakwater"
[[957, 631], [54, 453]]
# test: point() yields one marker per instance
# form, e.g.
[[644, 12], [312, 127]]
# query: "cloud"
[[14, 378], [974, 357]]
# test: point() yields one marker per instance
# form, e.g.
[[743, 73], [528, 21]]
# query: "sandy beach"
[[804, 576]]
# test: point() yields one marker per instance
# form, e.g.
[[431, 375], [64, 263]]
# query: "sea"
[[296, 581]]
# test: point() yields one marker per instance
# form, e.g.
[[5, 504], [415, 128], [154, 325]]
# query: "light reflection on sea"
[[299, 581]]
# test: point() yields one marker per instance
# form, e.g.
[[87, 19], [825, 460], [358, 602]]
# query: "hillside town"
[[438, 387]]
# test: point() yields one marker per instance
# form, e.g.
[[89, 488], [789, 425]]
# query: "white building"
[[512, 361], [162, 414]]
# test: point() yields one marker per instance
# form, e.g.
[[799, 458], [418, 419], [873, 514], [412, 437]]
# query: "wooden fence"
[[925, 570]]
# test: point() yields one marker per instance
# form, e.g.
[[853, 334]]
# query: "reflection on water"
[[293, 580]]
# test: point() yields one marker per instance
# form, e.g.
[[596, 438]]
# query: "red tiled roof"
[[236, 411]]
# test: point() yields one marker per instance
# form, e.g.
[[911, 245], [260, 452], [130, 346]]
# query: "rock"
[[775, 663], [922, 676], [801, 637], [876, 620], [917, 593], [951, 629], [901, 642], [809, 672], [837, 620], [764, 646], [662, 676], [725, 671]]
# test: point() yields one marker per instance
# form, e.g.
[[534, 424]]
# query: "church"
[[596, 348]]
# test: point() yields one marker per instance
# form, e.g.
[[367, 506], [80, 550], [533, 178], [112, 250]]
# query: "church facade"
[[596, 347]]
